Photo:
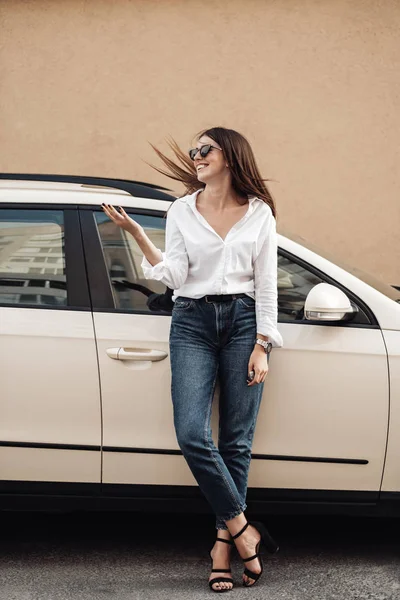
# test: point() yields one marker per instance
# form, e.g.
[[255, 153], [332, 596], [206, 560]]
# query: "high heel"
[[268, 542], [221, 579]]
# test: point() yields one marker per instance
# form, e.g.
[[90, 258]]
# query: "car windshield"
[[383, 287]]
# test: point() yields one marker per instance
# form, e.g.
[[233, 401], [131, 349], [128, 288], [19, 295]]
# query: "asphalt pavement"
[[131, 556]]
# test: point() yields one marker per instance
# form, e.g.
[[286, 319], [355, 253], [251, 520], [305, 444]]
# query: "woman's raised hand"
[[120, 218]]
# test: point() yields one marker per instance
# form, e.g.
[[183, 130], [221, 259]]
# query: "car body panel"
[[304, 429], [391, 476], [50, 395]]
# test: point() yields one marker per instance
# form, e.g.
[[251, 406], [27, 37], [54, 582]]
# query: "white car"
[[85, 409]]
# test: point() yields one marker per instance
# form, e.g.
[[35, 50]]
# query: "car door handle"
[[136, 354]]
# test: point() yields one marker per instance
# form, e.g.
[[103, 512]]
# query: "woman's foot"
[[221, 559], [248, 545]]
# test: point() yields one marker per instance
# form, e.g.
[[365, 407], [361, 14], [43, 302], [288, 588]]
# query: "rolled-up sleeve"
[[173, 268], [266, 285]]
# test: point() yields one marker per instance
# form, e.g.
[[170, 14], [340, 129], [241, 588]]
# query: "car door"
[[139, 445], [324, 416], [50, 418], [323, 420]]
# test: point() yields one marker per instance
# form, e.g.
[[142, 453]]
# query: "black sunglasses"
[[204, 150]]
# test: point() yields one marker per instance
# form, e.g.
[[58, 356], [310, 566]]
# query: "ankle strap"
[[225, 542], [240, 532]]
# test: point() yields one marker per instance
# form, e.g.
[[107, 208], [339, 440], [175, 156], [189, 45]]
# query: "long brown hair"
[[246, 178]]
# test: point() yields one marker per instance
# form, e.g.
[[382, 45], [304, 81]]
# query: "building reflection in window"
[[28, 274]]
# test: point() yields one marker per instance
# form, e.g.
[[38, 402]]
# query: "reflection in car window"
[[32, 257], [123, 259], [294, 283]]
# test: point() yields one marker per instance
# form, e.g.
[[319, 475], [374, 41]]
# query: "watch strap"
[[266, 345]]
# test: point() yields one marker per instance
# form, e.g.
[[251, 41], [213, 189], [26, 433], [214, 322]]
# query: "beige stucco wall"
[[313, 84]]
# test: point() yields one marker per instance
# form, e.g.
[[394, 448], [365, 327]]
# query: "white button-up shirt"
[[198, 262]]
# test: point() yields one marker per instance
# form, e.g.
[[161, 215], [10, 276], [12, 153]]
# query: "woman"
[[221, 262]]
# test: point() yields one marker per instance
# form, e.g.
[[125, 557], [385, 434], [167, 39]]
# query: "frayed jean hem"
[[221, 521]]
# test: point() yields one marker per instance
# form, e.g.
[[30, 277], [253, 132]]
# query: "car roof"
[[66, 192], [135, 188], [54, 185]]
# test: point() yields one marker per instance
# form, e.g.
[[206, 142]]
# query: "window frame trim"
[[78, 297], [99, 281]]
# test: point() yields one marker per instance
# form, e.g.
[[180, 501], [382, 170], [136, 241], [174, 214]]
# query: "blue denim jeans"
[[210, 340]]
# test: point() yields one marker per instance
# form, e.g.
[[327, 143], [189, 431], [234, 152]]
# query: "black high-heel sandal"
[[221, 579], [268, 542]]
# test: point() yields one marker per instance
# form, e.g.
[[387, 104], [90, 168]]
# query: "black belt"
[[223, 297]]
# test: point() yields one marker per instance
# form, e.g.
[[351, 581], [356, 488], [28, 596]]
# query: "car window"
[[32, 257], [123, 259], [294, 283], [391, 291]]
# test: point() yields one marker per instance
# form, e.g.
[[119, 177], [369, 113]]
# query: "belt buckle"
[[206, 298]]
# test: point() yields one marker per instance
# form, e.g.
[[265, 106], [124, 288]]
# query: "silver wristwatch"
[[266, 345]]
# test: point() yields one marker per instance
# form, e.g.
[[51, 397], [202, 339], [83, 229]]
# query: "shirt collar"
[[191, 198]]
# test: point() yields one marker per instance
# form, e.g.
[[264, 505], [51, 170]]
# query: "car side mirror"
[[325, 302]]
